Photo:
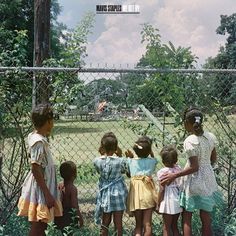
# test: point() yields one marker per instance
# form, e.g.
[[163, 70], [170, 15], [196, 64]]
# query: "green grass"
[[79, 141]]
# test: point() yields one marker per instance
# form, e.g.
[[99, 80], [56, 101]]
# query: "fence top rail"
[[114, 70]]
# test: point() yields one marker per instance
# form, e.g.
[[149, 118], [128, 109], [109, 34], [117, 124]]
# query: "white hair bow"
[[138, 146], [197, 119]]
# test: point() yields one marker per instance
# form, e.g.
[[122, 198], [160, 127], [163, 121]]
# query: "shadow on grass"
[[73, 130], [74, 120], [87, 200]]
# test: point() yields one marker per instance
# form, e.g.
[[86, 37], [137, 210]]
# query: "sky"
[[116, 39]]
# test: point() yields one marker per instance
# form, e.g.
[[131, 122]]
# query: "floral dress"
[[32, 202], [112, 192], [200, 188]]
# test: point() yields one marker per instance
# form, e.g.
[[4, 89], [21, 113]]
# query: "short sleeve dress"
[[170, 203], [200, 188], [32, 203], [142, 191], [112, 192]]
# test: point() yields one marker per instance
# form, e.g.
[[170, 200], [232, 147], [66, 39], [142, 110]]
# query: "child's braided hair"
[[194, 116], [143, 146]]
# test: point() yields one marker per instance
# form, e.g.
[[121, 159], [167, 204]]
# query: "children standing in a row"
[[111, 199], [40, 199], [198, 190]]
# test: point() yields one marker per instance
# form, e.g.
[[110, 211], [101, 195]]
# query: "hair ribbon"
[[197, 119], [138, 146]]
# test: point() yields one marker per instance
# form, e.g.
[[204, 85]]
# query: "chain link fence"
[[129, 102]]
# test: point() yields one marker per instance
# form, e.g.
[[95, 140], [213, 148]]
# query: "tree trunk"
[[41, 49]]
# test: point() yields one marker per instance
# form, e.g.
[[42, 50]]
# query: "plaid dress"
[[112, 192]]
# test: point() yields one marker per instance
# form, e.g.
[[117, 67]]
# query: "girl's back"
[[170, 202], [200, 146], [167, 170], [112, 189], [110, 167], [112, 194], [142, 166], [142, 189]]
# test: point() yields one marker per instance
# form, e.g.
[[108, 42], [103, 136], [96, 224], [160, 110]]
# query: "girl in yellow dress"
[[142, 195], [39, 199]]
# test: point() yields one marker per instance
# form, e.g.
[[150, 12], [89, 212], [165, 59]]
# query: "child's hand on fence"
[[129, 154], [118, 152], [101, 150], [151, 154]]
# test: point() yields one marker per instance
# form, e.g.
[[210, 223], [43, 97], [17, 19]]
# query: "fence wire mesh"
[[128, 102]]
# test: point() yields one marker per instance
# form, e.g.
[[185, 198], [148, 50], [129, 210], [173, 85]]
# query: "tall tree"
[[18, 15], [156, 89], [224, 86], [67, 87], [16, 20], [41, 48]]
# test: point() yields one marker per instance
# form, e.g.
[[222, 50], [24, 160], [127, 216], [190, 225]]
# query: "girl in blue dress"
[[142, 195], [111, 198]]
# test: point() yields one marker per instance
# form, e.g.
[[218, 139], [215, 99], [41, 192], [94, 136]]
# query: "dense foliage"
[[224, 86]]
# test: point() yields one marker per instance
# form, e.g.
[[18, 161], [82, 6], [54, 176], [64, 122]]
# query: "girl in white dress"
[[199, 190], [40, 200], [168, 196]]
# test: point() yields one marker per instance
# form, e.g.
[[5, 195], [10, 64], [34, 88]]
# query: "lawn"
[[79, 140]]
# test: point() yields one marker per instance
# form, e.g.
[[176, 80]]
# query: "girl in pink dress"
[[168, 198]]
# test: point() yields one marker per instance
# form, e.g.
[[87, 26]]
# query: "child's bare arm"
[[161, 190], [75, 204], [160, 196], [213, 156], [194, 166]]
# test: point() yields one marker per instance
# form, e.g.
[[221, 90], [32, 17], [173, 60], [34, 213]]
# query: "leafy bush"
[[15, 226], [230, 228]]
